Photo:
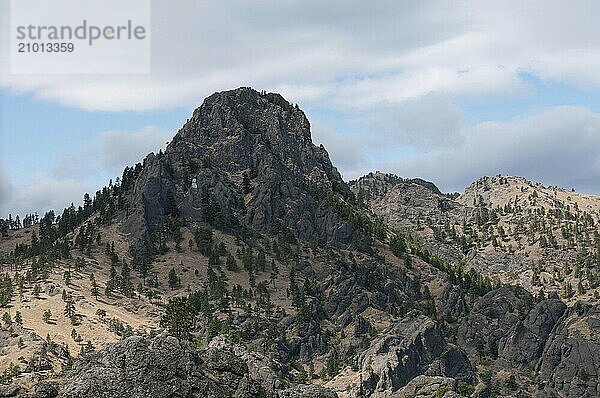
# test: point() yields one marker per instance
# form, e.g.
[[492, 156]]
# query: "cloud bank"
[[353, 56]]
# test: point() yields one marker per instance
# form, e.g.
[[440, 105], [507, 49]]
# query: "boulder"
[[307, 391], [160, 367], [427, 387]]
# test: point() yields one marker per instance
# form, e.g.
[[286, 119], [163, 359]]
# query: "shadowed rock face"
[[569, 363], [244, 159], [453, 363], [523, 347], [160, 367], [492, 318]]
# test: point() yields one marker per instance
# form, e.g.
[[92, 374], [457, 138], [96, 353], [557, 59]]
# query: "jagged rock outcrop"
[[524, 345], [244, 160], [139, 367], [401, 353], [261, 368], [452, 363], [428, 387], [571, 357], [492, 318], [402, 202]]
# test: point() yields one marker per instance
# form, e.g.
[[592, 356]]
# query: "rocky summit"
[[238, 263], [249, 157]]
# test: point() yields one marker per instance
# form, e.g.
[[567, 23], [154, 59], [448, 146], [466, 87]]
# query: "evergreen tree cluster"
[[52, 239]]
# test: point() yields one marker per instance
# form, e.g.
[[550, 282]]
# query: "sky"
[[447, 91]]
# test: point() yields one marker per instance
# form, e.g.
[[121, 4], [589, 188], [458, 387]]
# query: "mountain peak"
[[249, 155], [244, 121]]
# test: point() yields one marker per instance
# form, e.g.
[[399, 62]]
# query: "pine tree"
[[69, 310], [274, 272], [46, 316], [246, 185], [113, 281], [94, 291], [126, 284], [36, 291], [179, 317], [67, 277], [231, 264], [173, 280], [7, 319], [261, 262]]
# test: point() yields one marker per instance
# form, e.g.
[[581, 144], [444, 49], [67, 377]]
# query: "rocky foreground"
[[161, 367], [409, 359]]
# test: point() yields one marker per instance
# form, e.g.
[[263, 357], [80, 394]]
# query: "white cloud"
[[557, 146], [428, 121], [117, 149], [348, 154], [41, 194], [354, 56], [108, 154], [5, 191]]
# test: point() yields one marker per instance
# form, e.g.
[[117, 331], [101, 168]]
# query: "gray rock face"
[[492, 318], [452, 363], [138, 367], [452, 304], [260, 367], [427, 387], [400, 353], [160, 367], [401, 202], [525, 343], [569, 364], [244, 158]]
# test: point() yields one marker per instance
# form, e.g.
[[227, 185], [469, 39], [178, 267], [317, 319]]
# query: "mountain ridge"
[[275, 277]]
